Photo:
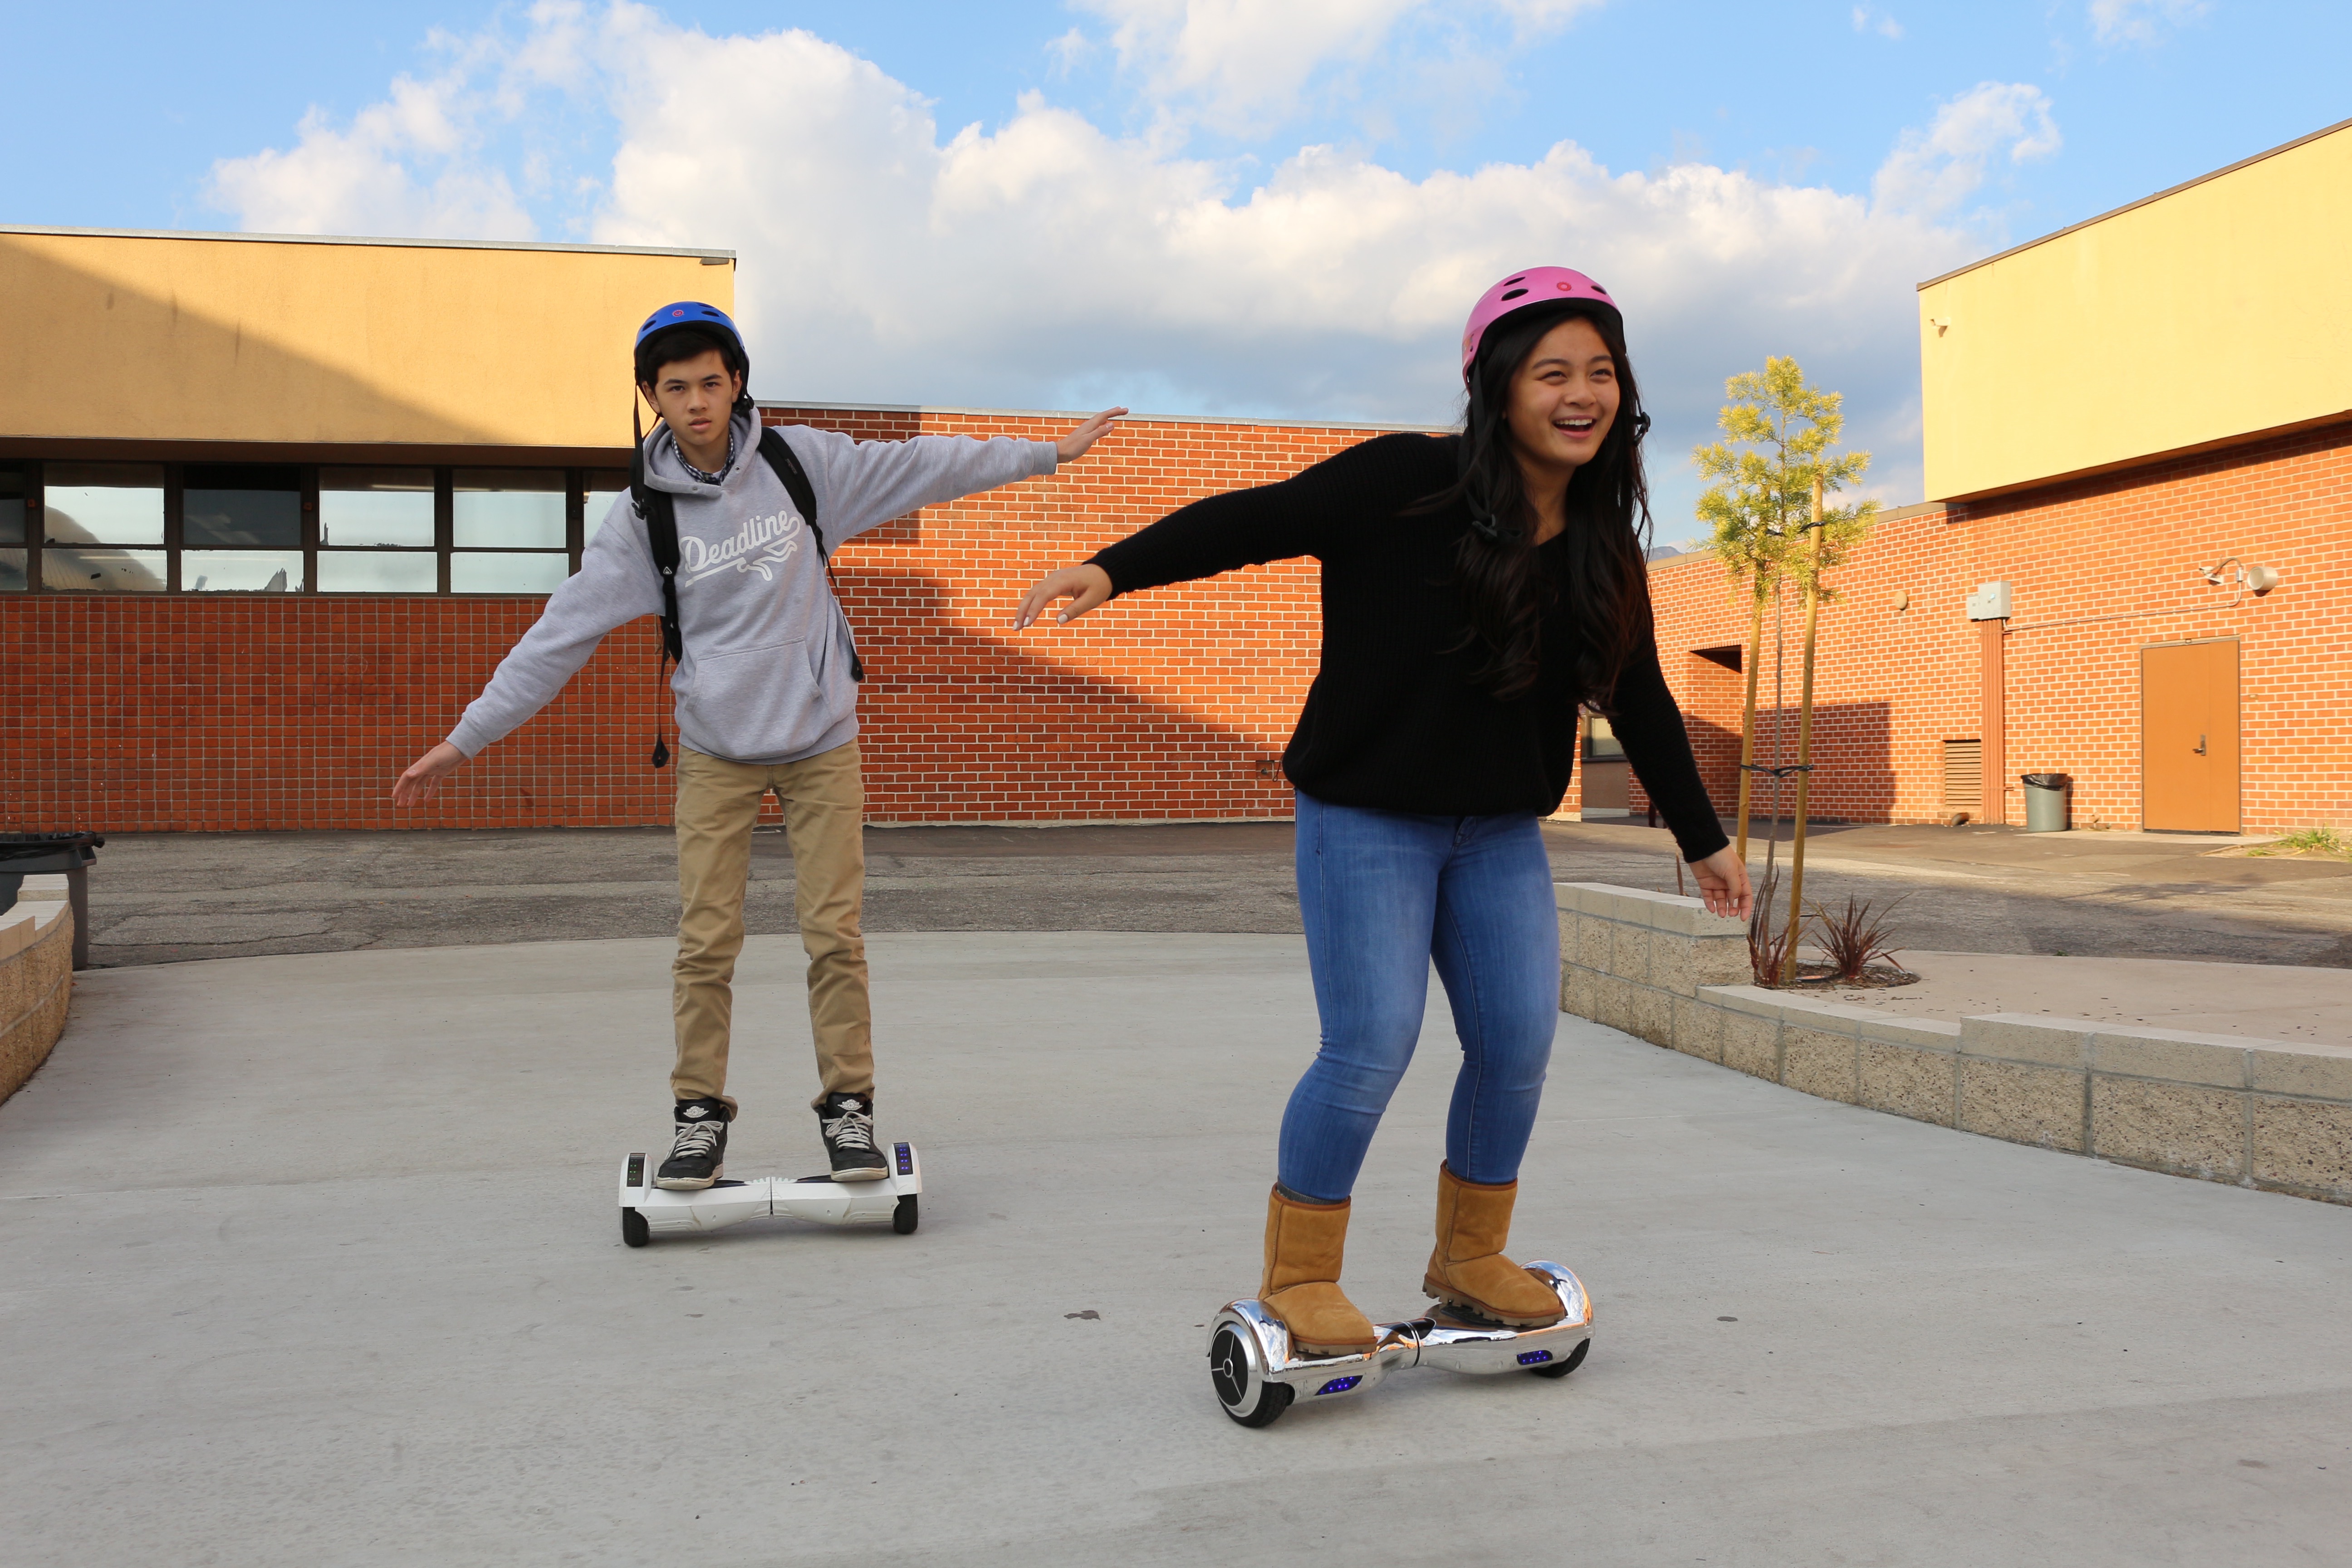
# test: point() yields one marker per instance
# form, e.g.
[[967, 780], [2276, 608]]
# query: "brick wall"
[[202, 712], [2100, 568], [137, 712]]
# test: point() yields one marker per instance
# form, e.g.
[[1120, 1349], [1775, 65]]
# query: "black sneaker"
[[700, 1151], [847, 1120]]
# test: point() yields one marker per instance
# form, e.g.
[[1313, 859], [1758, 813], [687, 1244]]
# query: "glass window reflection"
[[377, 571], [12, 570], [501, 574], [11, 505], [103, 503], [374, 508], [253, 506], [507, 509], [241, 571], [605, 489], [102, 569]]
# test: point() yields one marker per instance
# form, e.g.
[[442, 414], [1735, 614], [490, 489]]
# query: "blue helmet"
[[694, 313], [687, 313]]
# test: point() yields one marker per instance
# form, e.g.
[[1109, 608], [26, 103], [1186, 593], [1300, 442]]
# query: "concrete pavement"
[[315, 1260], [162, 898], [2256, 1001]]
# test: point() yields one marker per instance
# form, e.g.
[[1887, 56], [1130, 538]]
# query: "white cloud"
[[366, 179], [1931, 172], [1244, 66], [1866, 20], [1050, 262], [2141, 21]]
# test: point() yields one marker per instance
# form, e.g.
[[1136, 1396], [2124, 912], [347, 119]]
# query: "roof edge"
[[2148, 459], [828, 405], [2127, 206], [714, 257]]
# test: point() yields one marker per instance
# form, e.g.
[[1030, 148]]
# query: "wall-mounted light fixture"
[[2252, 579], [1941, 324]]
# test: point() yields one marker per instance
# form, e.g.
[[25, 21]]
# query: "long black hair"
[[1600, 562]]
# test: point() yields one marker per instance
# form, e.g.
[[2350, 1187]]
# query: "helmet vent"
[[1517, 292], [1520, 279]]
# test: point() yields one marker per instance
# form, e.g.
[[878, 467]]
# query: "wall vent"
[[1963, 773]]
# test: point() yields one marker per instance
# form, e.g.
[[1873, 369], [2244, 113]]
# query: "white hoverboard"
[[647, 1211], [1257, 1374]]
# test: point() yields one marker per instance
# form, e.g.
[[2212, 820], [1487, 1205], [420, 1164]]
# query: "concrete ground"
[[163, 898], [315, 1261]]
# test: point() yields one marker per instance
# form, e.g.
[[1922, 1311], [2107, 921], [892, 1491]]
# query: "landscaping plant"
[[1771, 474], [1854, 936]]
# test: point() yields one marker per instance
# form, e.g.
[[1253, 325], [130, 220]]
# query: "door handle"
[[2201, 745]]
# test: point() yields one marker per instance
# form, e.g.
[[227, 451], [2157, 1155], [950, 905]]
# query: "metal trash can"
[[24, 854], [2049, 798]]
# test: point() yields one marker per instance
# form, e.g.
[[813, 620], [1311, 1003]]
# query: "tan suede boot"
[[1468, 1268], [1304, 1243]]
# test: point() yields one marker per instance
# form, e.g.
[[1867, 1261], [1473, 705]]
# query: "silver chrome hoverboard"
[[1257, 1376], [647, 1210]]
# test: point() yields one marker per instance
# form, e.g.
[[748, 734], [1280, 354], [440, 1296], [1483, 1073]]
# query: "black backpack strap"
[[787, 463], [659, 510]]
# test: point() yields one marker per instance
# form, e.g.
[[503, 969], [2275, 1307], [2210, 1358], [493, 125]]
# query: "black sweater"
[[1396, 719]]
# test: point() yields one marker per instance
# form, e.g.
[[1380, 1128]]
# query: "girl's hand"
[[1073, 447], [1723, 884], [1084, 586], [417, 785]]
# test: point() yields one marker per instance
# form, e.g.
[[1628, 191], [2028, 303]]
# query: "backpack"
[[659, 508]]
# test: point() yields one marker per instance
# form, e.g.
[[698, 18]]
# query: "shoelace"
[[696, 1138], [850, 1130]]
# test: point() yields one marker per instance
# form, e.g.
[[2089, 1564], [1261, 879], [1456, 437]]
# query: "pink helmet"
[[1536, 286]]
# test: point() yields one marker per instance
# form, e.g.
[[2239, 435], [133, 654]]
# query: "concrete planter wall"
[[2261, 1113], [36, 977]]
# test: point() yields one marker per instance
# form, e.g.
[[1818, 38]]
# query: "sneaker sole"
[[875, 1175], [688, 1183]]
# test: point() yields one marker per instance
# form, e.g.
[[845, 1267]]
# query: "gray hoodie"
[[766, 673]]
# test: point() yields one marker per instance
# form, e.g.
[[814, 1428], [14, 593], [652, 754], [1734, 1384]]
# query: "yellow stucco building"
[[201, 412]]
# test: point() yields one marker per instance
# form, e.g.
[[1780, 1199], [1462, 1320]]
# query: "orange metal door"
[[2188, 737]]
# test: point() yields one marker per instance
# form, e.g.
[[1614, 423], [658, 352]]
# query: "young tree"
[[1765, 506]]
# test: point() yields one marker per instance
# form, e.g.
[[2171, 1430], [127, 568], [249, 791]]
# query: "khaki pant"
[[824, 799]]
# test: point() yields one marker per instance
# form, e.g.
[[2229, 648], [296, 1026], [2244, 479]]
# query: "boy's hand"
[[1073, 447], [1084, 586], [417, 785]]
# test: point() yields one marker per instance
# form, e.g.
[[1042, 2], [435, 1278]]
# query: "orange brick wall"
[[2099, 569], [137, 712]]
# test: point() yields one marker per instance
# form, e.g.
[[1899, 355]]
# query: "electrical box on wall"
[[1990, 602]]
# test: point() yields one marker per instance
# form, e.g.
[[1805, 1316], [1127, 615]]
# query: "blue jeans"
[[1384, 893]]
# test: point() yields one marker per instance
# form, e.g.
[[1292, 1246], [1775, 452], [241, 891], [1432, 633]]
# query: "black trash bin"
[[2049, 797], [24, 854]]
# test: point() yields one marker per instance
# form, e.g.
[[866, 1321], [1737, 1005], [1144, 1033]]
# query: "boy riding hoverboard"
[[724, 534]]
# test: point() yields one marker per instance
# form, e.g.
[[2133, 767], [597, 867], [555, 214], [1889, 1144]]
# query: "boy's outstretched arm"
[[615, 583], [862, 484]]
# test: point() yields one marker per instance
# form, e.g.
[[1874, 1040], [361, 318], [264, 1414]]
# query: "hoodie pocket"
[[772, 701]]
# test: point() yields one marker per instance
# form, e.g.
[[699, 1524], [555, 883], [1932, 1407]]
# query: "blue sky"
[[1195, 205]]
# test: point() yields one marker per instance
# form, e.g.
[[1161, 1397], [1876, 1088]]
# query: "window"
[[241, 529], [1601, 743], [603, 489], [509, 530], [376, 531], [289, 528], [93, 515], [14, 557]]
